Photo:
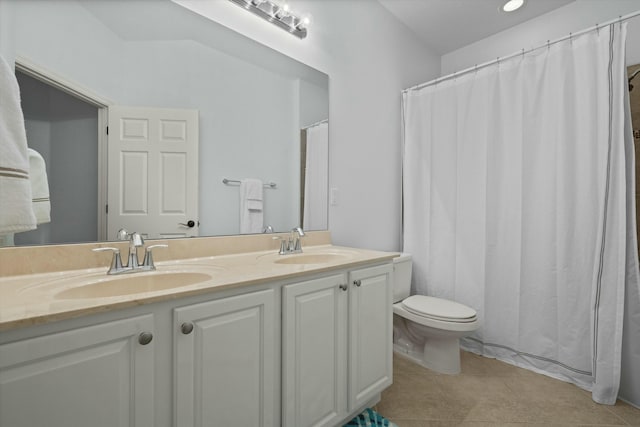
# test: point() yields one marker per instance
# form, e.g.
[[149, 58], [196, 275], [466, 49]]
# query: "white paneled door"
[[153, 172]]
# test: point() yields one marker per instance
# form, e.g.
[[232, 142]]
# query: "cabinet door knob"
[[343, 287], [145, 338], [357, 283], [186, 328]]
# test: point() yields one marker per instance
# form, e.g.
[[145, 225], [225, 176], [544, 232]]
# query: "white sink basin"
[[310, 258], [135, 283]]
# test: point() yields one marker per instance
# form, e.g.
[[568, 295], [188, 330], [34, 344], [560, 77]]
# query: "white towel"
[[16, 210], [251, 218], [39, 187]]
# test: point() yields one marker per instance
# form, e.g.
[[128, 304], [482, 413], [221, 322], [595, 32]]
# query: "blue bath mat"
[[370, 418]]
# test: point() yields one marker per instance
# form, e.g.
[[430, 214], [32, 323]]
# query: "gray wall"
[[64, 131]]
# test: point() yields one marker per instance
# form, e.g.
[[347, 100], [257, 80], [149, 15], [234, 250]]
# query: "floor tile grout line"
[[508, 381], [626, 423]]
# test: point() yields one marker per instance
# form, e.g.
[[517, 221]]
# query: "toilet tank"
[[401, 277]]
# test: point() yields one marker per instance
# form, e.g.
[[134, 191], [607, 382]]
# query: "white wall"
[[314, 103], [573, 17], [6, 31], [370, 57]]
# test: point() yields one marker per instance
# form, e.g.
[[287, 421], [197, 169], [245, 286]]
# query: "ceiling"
[[447, 25]]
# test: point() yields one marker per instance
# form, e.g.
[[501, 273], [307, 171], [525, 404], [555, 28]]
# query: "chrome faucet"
[[135, 241], [295, 244], [133, 264], [292, 244]]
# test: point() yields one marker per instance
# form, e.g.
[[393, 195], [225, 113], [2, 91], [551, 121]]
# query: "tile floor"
[[492, 393]]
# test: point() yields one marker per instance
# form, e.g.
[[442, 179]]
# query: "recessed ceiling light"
[[512, 5]]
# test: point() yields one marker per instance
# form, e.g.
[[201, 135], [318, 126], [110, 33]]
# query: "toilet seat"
[[439, 309]]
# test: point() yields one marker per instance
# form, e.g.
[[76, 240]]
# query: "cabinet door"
[[370, 333], [314, 334], [93, 376], [225, 365]]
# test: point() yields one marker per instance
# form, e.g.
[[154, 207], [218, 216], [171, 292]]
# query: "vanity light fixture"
[[512, 5], [278, 14]]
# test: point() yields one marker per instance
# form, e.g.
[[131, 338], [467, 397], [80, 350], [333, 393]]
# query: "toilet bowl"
[[426, 329]]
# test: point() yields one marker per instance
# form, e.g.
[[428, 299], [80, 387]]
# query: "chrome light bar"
[[277, 15]]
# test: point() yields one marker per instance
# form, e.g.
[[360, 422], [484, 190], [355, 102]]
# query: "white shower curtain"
[[517, 202], [316, 177]]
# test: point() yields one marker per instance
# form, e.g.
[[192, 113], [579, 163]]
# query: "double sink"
[[177, 274]]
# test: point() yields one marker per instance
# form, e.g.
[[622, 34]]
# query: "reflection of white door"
[[153, 172]]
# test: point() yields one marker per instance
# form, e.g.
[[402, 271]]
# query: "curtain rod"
[[476, 67]]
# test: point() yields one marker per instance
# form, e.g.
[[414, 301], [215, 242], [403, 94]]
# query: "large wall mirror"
[[159, 76]]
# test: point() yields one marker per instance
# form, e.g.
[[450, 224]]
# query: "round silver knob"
[[357, 283], [343, 287], [145, 338], [186, 328]]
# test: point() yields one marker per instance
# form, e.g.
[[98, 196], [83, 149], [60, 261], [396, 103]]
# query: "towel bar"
[[228, 181]]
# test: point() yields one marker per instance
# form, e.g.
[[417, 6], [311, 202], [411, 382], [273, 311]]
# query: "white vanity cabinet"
[[314, 352], [308, 349], [336, 345], [370, 333], [101, 375], [225, 362]]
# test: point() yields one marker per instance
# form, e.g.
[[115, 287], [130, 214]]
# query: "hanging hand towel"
[[250, 206], [39, 187], [16, 210]]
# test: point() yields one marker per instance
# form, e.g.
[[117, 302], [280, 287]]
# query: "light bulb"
[[305, 21], [512, 5], [283, 10]]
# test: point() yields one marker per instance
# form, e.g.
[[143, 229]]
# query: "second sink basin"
[[132, 284], [309, 259]]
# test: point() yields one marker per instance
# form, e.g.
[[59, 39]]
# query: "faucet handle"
[[116, 261], [284, 245], [147, 263]]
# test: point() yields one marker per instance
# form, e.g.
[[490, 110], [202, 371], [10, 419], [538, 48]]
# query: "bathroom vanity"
[[240, 339]]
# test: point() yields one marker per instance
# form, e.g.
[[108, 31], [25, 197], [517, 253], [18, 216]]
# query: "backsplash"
[[20, 260]]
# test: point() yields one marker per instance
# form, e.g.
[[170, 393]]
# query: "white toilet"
[[427, 329]]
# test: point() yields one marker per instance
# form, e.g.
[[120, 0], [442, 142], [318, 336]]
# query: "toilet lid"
[[439, 309]]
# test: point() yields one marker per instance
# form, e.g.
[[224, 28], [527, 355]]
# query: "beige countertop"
[[32, 299]]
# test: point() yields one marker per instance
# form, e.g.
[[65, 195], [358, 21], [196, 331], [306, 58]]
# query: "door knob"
[[357, 283], [191, 223]]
